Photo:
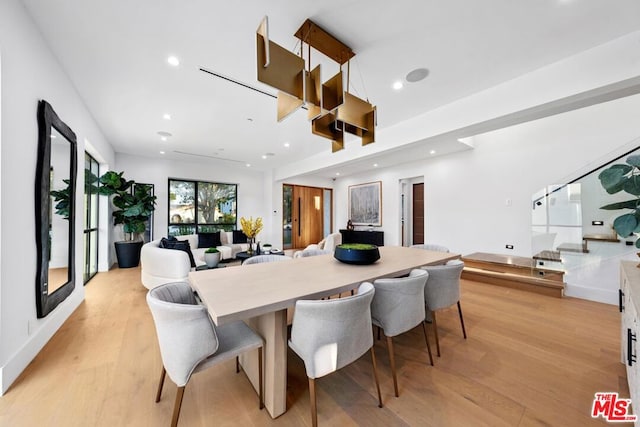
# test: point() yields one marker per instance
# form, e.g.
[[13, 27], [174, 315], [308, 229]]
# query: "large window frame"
[[194, 220]]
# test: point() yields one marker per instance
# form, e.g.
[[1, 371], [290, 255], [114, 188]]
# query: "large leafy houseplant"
[[134, 203], [624, 177]]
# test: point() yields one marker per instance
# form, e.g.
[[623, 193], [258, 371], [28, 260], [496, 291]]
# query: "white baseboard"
[[21, 359], [606, 296]]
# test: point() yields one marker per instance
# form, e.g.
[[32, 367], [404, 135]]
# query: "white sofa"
[[161, 265]]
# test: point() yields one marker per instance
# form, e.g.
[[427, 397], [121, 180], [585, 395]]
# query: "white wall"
[[30, 72], [466, 193], [253, 200]]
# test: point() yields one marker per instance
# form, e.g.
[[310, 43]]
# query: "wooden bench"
[[513, 272]]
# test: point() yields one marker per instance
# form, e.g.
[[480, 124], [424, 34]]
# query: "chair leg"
[[392, 361], [375, 375], [378, 327], [435, 329], [464, 332], [312, 400], [260, 385], [426, 338], [159, 392], [177, 406], [237, 364]]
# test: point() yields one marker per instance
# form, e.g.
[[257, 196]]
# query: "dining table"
[[260, 295]]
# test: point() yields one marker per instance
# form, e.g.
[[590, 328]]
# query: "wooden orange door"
[[418, 213], [307, 216]]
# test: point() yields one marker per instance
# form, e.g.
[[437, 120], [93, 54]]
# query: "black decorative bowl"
[[357, 253]]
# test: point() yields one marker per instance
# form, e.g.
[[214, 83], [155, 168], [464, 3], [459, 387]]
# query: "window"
[[197, 206], [90, 253]]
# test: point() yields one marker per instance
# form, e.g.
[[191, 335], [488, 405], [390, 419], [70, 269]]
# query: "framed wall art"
[[365, 204]]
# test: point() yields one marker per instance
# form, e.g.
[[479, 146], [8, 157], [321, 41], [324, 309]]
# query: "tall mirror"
[[55, 210]]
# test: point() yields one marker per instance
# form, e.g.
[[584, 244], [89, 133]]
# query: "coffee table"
[[244, 255], [206, 267]]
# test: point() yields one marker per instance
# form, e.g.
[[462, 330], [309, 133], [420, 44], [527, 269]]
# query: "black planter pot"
[[128, 253], [357, 256]]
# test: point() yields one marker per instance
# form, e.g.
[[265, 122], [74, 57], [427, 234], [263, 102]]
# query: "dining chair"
[[259, 259], [319, 336], [431, 247], [190, 342], [443, 290], [397, 307]]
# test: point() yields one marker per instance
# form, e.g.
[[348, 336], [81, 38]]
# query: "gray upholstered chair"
[[443, 290], [330, 334], [190, 342], [431, 247], [397, 307], [312, 252], [259, 259]]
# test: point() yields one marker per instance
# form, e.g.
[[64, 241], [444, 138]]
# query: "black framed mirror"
[[55, 189]]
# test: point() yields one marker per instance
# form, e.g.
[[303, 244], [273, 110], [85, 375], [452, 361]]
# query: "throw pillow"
[[239, 236], [180, 245], [209, 240], [164, 242], [226, 238]]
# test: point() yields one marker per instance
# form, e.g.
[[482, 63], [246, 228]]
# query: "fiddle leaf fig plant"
[[624, 177], [61, 198], [134, 206]]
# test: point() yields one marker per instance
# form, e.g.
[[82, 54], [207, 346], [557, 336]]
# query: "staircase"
[[514, 272]]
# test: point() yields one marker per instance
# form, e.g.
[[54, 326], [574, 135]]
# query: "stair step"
[[513, 272]]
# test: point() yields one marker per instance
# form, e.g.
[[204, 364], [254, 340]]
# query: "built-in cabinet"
[[629, 302]]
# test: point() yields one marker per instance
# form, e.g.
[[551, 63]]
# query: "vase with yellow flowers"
[[251, 228]]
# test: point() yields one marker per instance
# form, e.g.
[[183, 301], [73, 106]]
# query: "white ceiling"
[[115, 53]]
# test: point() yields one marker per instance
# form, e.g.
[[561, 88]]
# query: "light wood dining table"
[[260, 294]]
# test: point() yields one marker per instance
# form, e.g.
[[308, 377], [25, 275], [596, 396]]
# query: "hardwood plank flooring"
[[530, 360]]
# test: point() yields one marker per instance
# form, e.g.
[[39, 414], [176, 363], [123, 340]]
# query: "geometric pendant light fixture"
[[331, 109]]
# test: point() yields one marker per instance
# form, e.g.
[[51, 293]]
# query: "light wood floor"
[[530, 360]]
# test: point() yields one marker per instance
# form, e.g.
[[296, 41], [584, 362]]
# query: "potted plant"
[[624, 177], [212, 257], [251, 229], [357, 253], [134, 204]]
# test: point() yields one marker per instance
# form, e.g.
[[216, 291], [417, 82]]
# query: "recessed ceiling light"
[[162, 152], [417, 75], [337, 173], [432, 152], [164, 138], [375, 165], [264, 156], [248, 165], [287, 145], [166, 116], [397, 85], [172, 60]]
